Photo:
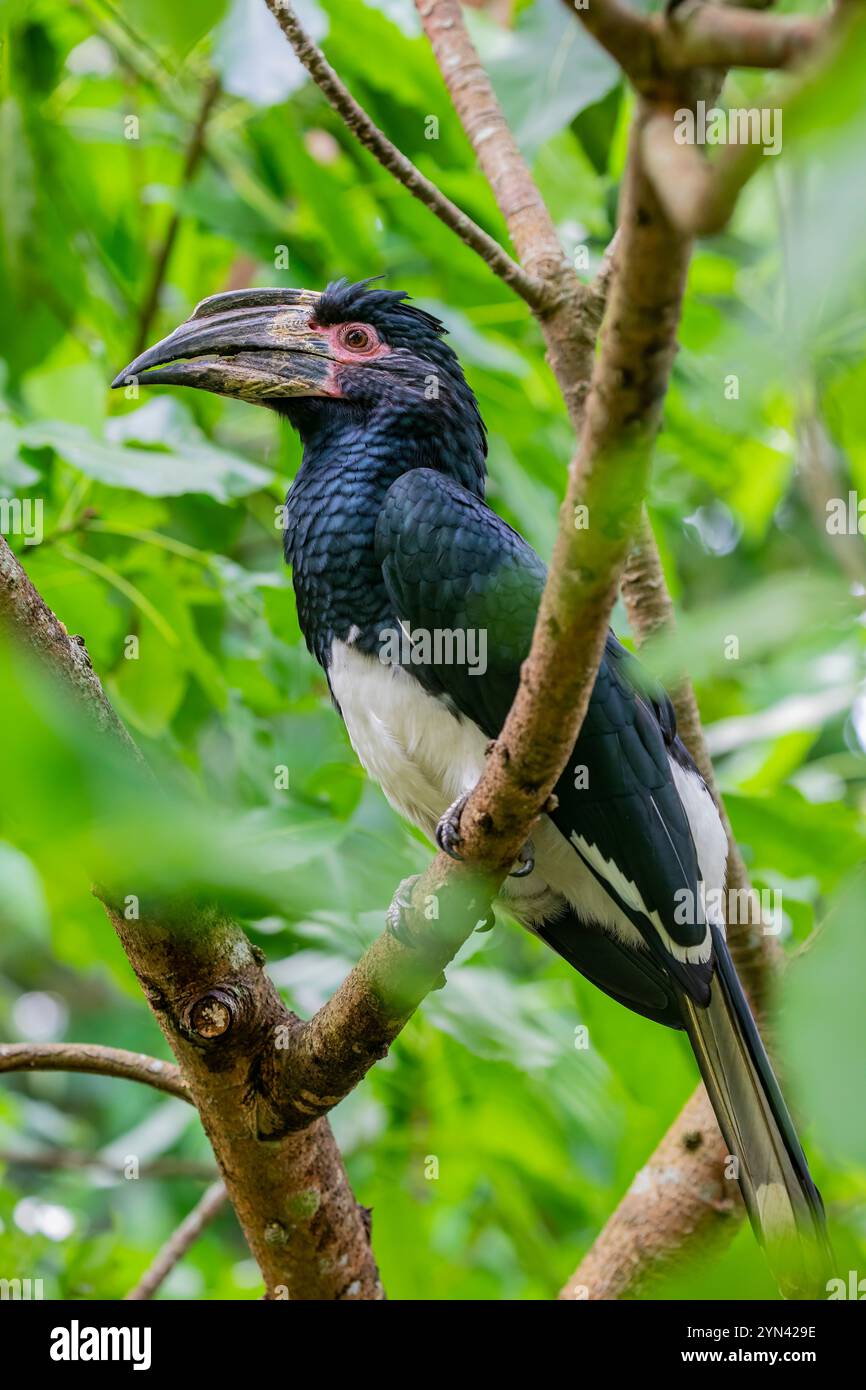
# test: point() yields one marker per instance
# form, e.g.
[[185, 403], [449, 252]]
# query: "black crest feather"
[[389, 311]]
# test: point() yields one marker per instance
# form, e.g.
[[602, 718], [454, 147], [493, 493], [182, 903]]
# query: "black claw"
[[488, 923], [526, 862], [525, 869], [445, 843], [401, 932], [448, 830], [396, 915]]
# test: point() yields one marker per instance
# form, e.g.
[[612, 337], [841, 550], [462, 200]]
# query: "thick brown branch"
[[219, 1012], [696, 34], [699, 197], [97, 1060], [524, 283], [179, 1242]]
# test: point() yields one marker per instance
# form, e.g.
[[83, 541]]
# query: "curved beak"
[[257, 345]]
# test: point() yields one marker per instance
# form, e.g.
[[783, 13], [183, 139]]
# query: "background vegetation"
[[160, 525]]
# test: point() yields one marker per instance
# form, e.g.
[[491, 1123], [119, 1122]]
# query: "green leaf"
[[178, 27], [23, 909], [190, 463], [822, 1026], [545, 70]]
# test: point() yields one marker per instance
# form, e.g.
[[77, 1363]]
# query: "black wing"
[[449, 562]]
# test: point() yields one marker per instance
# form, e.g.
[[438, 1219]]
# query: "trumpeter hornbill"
[[387, 528]]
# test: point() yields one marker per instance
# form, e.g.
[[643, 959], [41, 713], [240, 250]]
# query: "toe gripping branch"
[[450, 841]]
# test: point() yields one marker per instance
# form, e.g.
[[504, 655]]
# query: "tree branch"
[[69, 1160], [179, 1242], [700, 35], [680, 1194], [218, 1011], [655, 50], [530, 289], [699, 197], [97, 1060]]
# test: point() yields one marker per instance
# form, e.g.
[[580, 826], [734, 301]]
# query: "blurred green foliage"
[[491, 1144]]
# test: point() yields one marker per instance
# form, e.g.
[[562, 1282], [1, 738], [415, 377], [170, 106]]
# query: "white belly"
[[423, 758]]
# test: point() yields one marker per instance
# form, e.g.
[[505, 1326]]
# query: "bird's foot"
[[396, 919], [400, 908], [448, 836], [525, 861]]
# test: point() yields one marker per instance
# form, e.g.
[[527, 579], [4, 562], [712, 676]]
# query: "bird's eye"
[[358, 338]]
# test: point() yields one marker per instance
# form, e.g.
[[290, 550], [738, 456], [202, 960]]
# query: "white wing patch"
[[628, 891], [709, 836]]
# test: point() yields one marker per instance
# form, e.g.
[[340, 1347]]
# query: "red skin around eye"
[[341, 350]]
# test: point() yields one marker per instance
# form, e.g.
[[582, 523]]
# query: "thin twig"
[[69, 1160], [598, 289], [96, 1060], [178, 1243]]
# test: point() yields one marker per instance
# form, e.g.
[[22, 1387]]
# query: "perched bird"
[[419, 602]]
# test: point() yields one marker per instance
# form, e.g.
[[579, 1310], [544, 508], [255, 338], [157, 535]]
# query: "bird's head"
[[350, 354]]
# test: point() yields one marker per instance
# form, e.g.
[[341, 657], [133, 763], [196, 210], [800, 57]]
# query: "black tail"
[[783, 1203]]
